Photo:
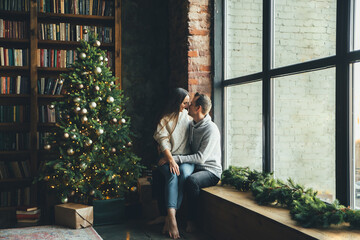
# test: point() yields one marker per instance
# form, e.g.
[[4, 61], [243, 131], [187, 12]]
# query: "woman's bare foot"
[[173, 229], [190, 227], [157, 220]]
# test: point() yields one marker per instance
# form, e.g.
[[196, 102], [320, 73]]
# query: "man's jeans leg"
[[186, 169], [193, 185]]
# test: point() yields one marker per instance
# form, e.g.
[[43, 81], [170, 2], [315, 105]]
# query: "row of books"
[[10, 141], [86, 7], [14, 57], [15, 5], [15, 169], [55, 58], [17, 197], [72, 32], [13, 29], [46, 114], [14, 85], [51, 86], [27, 216], [16, 113]]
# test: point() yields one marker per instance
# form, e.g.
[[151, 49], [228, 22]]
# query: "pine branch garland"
[[305, 207]]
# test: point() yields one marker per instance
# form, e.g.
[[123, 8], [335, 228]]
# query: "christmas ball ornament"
[[81, 86], [96, 148], [111, 83], [100, 98], [46, 178], [61, 81], [73, 130], [82, 55], [88, 142], [70, 151], [84, 111], [92, 192], [64, 199], [97, 70], [97, 43], [133, 189], [113, 150], [83, 165], [66, 135], [84, 73], [97, 88], [110, 99], [129, 144], [85, 31], [47, 147], [77, 109], [73, 136], [67, 116], [52, 106], [77, 99], [123, 146], [72, 193], [101, 63], [106, 59], [101, 58], [117, 110], [123, 120], [92, 105], [114, 120], [84, 119], [100, 131]]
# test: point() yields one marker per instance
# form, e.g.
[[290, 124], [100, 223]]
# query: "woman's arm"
[[168, 158]]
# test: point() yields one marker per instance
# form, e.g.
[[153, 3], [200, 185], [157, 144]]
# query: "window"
[[302, 116]]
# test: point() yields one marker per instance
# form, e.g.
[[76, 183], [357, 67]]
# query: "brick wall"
[[304, 110]]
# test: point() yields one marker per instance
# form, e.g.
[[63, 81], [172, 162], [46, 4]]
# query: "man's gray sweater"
[[205, 144]]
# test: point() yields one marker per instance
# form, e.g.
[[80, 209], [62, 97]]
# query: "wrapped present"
[[74, 215]]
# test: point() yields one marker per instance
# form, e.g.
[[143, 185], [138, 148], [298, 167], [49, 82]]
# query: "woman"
[[172, 136]]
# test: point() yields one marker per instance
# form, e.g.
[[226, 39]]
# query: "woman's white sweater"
[[177, 141]]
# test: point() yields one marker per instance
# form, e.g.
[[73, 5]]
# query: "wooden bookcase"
[[33, 72]]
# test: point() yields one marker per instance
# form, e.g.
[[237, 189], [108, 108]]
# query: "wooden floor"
[[230, 214]]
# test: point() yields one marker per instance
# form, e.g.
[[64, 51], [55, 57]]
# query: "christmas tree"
[[91, 145]]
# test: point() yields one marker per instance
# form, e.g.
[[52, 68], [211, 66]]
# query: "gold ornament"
[[106, 59], [85, 31], [70, 151], [123, 120], [101, 58], [81, 86], [52, 106], [97, 70], [73, 136], [97, 88], [64, 200], [66, 135], [77, 99], [100, 131], [92, 192], [113, 150], [83, 165], [47, 147], [133, 189], [114, 120], [82, 55], [92, 105], [97, 43], [84, 119], [77, 109], [88, 142], [129, 144], [84, 111], [110, 99], [117, 110], [72, 193]]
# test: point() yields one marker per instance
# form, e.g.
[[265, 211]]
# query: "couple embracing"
[[190, 156]]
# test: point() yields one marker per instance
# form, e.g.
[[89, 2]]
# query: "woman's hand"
[[162, 161], [174, 167]]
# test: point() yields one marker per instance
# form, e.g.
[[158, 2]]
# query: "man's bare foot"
[[190, 227], [166, 225], [173, 229], [157, 220]]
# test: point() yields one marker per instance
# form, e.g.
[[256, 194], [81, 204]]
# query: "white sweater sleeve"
[[162, 135]]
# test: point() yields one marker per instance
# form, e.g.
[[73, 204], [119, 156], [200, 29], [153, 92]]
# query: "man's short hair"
[[203, 101]]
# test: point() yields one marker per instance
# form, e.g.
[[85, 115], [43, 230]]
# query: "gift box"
[[74, 215]]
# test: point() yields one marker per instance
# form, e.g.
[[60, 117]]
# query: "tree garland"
[[305, 207]]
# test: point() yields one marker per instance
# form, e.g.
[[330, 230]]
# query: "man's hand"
[[162, 161]]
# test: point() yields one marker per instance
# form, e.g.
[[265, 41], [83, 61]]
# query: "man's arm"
[[207, 145]]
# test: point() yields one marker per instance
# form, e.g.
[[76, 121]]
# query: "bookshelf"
[[31, 19]]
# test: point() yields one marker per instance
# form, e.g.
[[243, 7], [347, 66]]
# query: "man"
[[205, 145]]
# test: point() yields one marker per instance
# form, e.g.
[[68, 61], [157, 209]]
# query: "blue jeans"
[[174, 184]]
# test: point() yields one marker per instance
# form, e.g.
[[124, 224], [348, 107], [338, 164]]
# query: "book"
[[27, 208], [27, 216], [37, 211], [28, 220]]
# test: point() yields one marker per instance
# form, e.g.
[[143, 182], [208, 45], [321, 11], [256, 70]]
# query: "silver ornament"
[[82, 55], [100, 131], [66, 135], [70, 151], [114, 120], [92, 105], [113, 150], [101, 63], [117, 110], [92, 192], [111, 83], [47, 147], [110, 99], [73, 136], [83, 165], [64, 200], [101, 58], [97, 88], [84, 119], [88, 142], [106, 59], [77, 109], [97, 43], [96, 148], [84, 111], [73, 130], [77, 99], [52, 106], [97, 70], [123, 120], [81, 86]]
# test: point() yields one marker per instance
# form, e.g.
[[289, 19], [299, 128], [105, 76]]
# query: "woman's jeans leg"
[[174, 184]]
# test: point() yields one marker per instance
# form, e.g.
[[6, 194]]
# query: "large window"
[[290, 84]]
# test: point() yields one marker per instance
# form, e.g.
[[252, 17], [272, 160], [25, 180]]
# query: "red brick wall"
[[199, 53]]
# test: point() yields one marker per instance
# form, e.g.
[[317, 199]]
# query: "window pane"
[[304, 30], [356, 131], [304, 125], [243, 37], [244, 125], [356, 25]]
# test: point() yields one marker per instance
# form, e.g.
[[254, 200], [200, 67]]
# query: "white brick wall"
[[304, 111]]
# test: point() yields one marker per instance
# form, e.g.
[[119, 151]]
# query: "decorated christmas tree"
[[92, 148]]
